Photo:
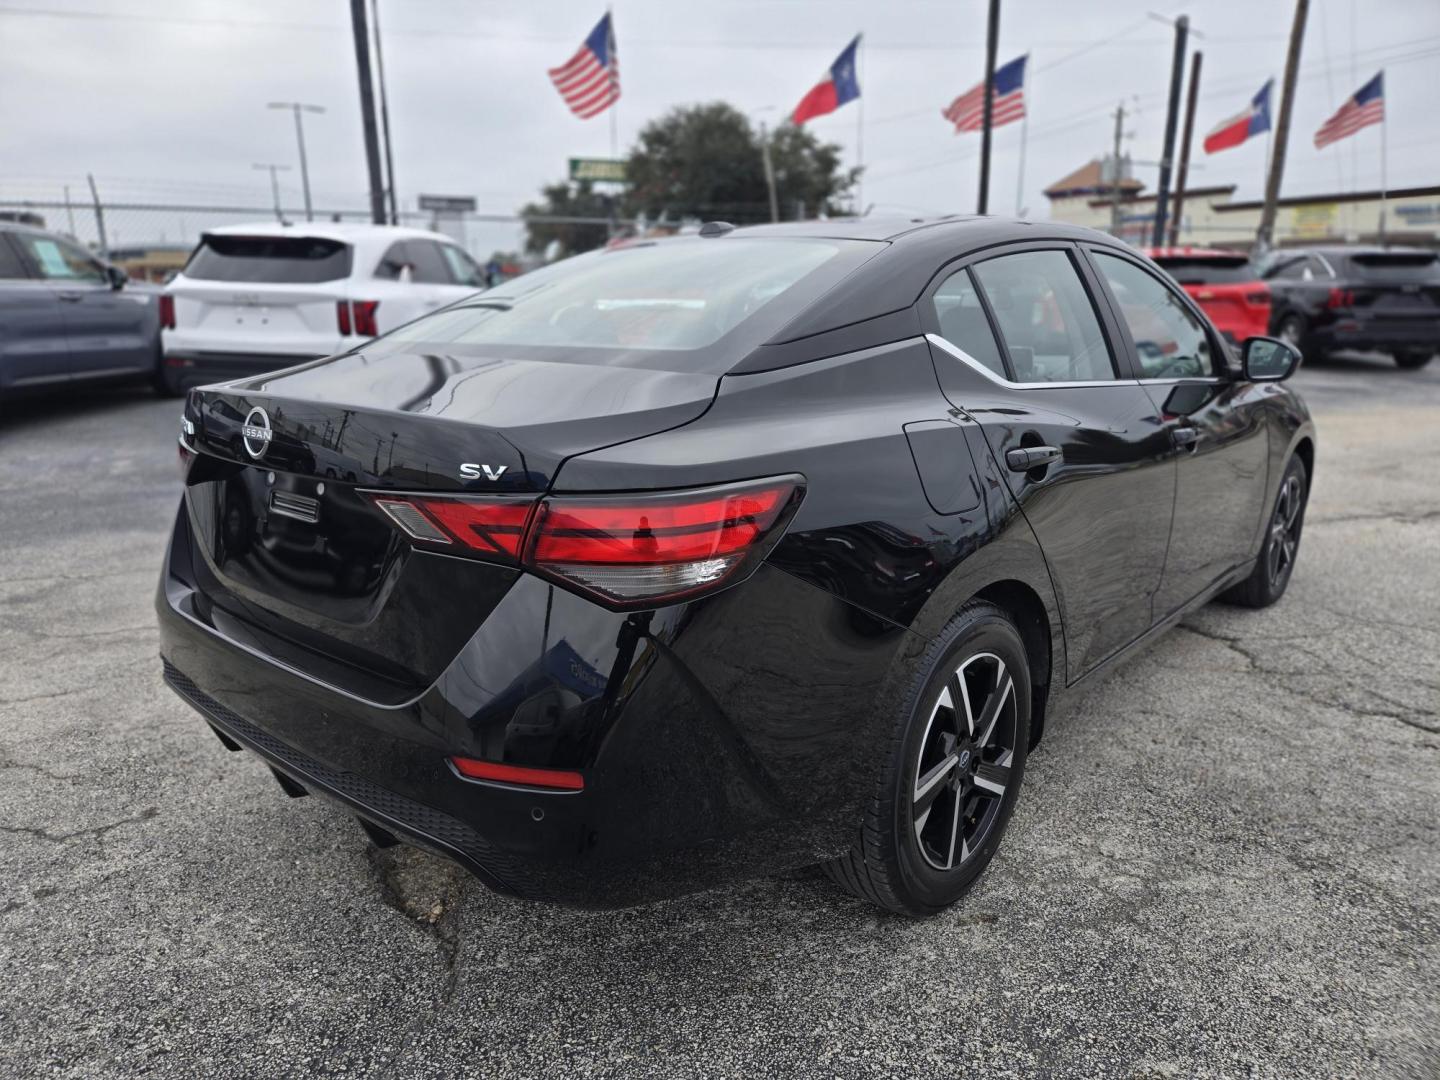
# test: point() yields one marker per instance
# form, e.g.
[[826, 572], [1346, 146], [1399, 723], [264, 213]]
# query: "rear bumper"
[[186, 369], [718, 740], [1377, 334]]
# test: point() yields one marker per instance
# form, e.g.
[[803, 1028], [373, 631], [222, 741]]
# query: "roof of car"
[[899, 228], [344, 231], [1353, 249], [1192, 253]]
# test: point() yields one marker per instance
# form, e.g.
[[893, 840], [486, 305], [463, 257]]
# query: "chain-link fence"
[[151, 240]]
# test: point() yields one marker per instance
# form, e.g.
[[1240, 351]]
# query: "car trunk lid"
[[288, 544]]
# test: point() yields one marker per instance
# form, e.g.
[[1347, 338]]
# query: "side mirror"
[[1267, 359], [116, 277]]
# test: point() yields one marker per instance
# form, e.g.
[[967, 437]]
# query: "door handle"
[[1025, 458], [72, 297], [1184, 437]]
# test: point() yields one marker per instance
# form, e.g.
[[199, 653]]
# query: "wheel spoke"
[[1292, 504], [955, 837], [994, 776], [961, 693], [993, 707], [932, 783]]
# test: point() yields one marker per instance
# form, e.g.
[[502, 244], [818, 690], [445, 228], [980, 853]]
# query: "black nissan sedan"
[[725, 554]]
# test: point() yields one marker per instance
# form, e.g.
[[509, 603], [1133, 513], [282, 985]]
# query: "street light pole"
[[274, 185], [297, 107]]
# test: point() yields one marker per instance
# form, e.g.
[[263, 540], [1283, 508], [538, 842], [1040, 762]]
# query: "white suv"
[[254, 298]]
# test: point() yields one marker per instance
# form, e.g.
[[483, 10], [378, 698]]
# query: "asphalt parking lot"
[[1226, 861]]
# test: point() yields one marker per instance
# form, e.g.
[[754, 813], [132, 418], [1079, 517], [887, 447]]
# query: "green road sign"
[[605, 170]]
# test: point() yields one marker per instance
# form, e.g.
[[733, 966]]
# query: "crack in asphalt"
[[1379, 515], [93, 831], [1235, 644]]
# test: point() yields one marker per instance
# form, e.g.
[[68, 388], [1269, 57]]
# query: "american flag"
[[590, 80], [967, 112], [1365, 107]]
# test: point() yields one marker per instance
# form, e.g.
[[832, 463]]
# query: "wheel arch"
[[1304, 449], [1027, 608]]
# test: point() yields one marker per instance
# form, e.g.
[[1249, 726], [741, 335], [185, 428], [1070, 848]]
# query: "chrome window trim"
[[999, 380]]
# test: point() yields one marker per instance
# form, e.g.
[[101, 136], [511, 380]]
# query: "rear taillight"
[[1258, 298], [1339, 298], [357, 317], [624, 550], [365, 322], [167, 311]]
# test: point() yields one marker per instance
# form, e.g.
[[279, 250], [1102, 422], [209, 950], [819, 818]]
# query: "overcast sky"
[[166, 100]]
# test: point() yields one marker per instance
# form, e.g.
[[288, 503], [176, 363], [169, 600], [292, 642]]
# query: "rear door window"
[[963, 322], [11, 265], [280, 260], [430, 265], [1050, 329]]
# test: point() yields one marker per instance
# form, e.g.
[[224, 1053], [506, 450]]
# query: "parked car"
[[253, 298], [725, 554], [67, 317], [1385, 299], [1224, 284]]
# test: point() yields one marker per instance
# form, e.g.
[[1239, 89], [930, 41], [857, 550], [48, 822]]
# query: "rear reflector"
[[167, 311], [626, 551], [559, 779]]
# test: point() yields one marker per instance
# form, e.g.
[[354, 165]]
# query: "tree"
[[704, 161], [566, 200]]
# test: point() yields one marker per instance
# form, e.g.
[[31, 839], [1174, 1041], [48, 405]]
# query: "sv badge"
[[474, 472]]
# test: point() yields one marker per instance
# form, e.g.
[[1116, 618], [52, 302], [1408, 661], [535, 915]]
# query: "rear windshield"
[[674, 295], [1396, 266], [282, 260], [1213, 270]]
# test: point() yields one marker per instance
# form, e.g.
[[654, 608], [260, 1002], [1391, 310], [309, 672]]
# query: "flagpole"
[[1384, 123], [614, 105], [1020, 181], [860, 127]]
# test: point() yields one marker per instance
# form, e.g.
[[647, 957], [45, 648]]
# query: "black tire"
[[1293, 330], [162, 381], [1412, 361], [896, 860], [1281, 545]]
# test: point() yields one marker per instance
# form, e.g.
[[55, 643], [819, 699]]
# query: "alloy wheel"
[[963, 769], [1284, 532]]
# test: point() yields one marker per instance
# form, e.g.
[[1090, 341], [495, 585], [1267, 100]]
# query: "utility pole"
[[275, 185], [992, 44], [1266, 233], [1115, 176], [1184, 175], [1172, 116], [298, 107], [769, 172], [367, 111], [384, 113], [99, 218]]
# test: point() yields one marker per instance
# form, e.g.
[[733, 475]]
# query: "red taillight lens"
[[493, 527], [630, 550], [559, 779], [1340, 298], [167, 311], [365, 321], [342, 317], [625, 550]]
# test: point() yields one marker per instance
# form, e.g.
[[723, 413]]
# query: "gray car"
[[66, 317]]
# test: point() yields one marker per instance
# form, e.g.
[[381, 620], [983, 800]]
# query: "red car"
[[1224, 284]]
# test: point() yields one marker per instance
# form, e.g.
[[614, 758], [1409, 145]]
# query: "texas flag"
[[1234, 131], [841, 85]]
